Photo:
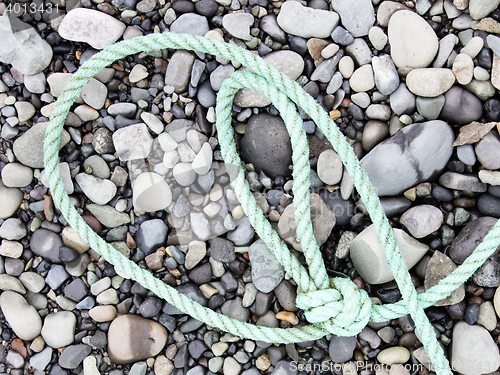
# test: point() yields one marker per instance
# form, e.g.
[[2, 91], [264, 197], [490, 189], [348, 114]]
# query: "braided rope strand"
[[276, 85]]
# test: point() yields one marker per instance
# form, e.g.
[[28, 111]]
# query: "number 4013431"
[[20, 8]]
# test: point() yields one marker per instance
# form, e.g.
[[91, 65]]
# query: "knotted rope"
[[333, 306]]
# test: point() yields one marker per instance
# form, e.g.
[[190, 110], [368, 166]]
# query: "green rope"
[[332, 305]]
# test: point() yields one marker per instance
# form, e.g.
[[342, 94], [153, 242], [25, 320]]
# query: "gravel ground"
[[412, 85]]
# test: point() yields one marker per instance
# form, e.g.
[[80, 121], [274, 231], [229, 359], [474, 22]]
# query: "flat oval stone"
[[414, 43], [422, 220], [296, 19], [463, 68], [132, 338], [430, 82], [22, 317], [91, 26], [329, 167], [488, 150], [414, 154], [369, 259]]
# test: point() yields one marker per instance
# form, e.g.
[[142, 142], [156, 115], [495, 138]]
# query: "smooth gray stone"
[[457, 181], [267, 272], [190, 23], [472, 345], [461, 106], [151, 235], [369, 259], [402, 100], [430, 108], [179, 69], [414, 154], [357, 17], [341, 348], [23, 47], [306, 22], [270, 26], [488, 150], [73, 355], [385, 74]]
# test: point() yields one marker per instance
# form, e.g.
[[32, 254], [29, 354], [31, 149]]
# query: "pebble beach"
[[412, 85]]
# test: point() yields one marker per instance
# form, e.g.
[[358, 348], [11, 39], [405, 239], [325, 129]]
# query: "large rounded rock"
[[23, 318], [473, 346], [296, 19], [413, 41], [28, 148], [91, 26], [414, 154], [132, 338], [59, 329], [266, 144], [461, 106], [369, 259], [10, 200]]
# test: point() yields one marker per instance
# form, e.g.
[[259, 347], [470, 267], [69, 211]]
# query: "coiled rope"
[[333, 305]]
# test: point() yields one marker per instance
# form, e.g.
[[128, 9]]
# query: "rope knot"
[[343, 310]]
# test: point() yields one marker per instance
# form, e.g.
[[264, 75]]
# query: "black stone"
[[150, 307], [183, 6], [207, 8], [201, 274], [387, 295], [492, 109], [266, 144], [489, 205], [222, 250], [442, 194], [196, 349], [471, 313], [67, 254]]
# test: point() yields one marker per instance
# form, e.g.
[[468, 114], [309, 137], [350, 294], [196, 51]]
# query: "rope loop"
[[343, 309]]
